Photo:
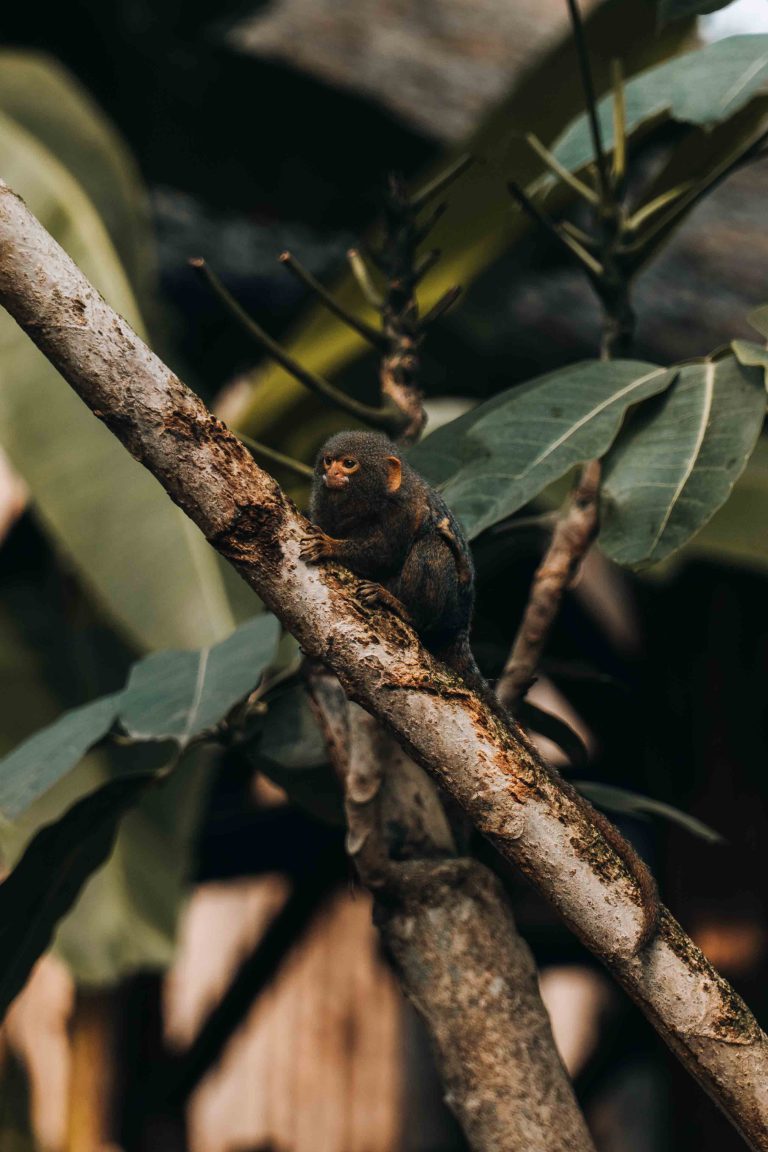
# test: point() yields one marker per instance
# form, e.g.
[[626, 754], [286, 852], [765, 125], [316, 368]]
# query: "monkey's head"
[[354, 466]]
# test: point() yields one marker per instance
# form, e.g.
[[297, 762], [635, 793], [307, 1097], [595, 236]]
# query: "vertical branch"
[[574, 531], [400, 363]]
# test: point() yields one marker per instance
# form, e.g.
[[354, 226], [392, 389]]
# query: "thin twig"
[[561, 171], [604, 181], [372, 335], [387, 416], [276, 457], [441, 306], [442, 181], [363, 277], [591, 266]]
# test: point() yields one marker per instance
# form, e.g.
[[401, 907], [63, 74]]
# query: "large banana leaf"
[[480, 223], [47, 101], [145, 562]]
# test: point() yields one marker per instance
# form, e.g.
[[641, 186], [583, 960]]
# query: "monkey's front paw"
[[315, 546], [369, 593]]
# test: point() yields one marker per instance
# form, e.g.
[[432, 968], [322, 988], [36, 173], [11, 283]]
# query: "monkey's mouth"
[[335, 481]]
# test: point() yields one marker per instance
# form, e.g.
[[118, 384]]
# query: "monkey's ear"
[[394, 473]]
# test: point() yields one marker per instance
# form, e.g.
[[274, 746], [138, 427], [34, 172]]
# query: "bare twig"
[[372, 335], [490, 770], [441, 182], [588, 85], [590, 265], [272, 454], [388, 416]]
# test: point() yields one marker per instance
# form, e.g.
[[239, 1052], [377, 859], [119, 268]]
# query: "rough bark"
[[448, 927], [492, 772]]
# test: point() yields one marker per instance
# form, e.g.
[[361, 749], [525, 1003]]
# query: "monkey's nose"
[[335, 480]]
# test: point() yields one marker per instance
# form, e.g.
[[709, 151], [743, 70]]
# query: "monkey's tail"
[[458, 656]]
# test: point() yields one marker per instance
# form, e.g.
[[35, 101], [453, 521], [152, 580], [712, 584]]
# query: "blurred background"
[[218, 986]]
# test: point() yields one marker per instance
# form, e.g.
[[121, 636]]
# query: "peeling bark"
[[492, 772]]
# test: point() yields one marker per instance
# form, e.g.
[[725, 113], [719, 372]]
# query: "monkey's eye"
[[349, 462], [327, 461]]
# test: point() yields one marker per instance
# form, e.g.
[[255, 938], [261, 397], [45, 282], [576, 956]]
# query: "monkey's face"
[[337, 471]]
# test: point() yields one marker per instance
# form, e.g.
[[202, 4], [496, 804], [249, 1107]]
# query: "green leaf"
[[132, 548], [677, 462], [751, 355], [620, 800], [500, 455], [703, 87], [50, 753], [677, 9], [127, 915], [169, 696], [47, 880], [736, 533], [178, 695], [759, 320], [696, 164]]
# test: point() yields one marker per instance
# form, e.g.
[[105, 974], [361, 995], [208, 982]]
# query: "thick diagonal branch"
[[492, 772]]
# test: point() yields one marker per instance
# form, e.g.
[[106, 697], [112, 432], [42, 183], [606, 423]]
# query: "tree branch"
[[448, 927], [387, 417], [490, 770], [574, 531]]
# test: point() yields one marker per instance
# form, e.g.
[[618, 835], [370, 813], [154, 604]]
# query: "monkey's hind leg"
[[369, 593]]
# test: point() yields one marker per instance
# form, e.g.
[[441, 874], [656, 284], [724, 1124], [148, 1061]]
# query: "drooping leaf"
[[49, 754], [736, 533], [677, 462], [703, 87], [126, 918], [759, 320], [47, 880], [751, 355], [178, 695], [695, 164], [169, 696], [676, 9], [500, 455], [634, 804], [141, 557]]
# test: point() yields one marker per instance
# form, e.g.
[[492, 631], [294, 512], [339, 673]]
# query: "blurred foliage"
[[72, 816], [676, 9], [480, 223], [151, 580]]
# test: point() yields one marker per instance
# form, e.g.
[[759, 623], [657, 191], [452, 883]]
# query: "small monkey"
[[375, 515]]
